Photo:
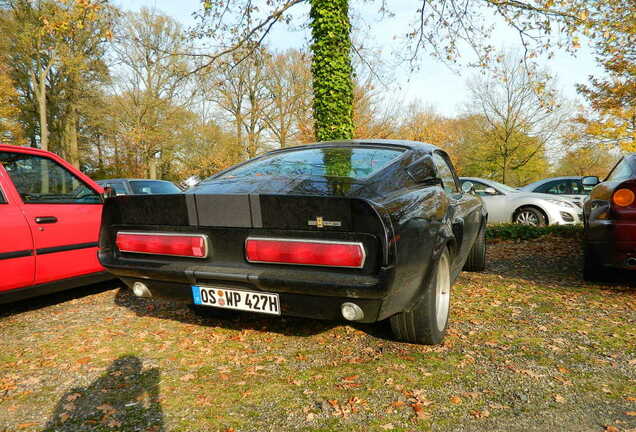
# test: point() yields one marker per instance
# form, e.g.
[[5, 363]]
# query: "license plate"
[[251, 301]]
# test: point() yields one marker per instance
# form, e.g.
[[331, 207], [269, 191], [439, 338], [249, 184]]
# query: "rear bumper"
[[613, 243], [304, 305]]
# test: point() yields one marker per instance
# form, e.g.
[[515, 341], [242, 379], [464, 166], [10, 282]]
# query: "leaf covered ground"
[[531, 347]]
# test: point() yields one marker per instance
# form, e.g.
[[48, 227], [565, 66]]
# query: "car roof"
[[411, 145]]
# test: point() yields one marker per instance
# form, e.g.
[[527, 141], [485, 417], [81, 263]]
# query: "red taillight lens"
[[305, 252], [163, 244]]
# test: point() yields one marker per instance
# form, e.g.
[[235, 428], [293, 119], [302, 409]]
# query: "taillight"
[[305, 252], [623, 197], [184, 245]]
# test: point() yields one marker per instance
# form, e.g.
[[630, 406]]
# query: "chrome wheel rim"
[[442, 297], [526, 217]]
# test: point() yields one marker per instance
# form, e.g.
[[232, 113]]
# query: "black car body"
[[125, 186], [610, 221], [399, 201]]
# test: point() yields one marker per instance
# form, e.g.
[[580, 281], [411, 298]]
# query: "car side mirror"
[[468, 187], [590, 181], [423, 170], [109, 192], [490, 191]]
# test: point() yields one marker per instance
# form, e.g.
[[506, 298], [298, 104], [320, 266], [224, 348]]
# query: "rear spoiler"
[[252, 211]]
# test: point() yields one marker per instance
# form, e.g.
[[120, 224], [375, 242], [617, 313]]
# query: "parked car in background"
[[609, 240], [570, 187], [49, 224], [506, 204], [364, 230], [123, 186]]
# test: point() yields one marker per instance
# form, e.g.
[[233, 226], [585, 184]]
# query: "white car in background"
[[506, 204], [570, 187]]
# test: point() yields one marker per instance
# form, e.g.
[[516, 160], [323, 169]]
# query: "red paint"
[[304, 253], [76, 223], [163, 244]]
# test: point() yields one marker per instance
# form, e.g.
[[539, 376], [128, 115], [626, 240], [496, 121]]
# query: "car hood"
[[316, 186]]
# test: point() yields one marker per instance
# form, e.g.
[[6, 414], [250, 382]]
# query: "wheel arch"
[[534, 206]]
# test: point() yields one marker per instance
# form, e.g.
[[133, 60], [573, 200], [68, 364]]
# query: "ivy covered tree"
[[331, 69]]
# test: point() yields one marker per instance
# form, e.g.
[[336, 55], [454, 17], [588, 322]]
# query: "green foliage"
[[331, 69], [526, 232]]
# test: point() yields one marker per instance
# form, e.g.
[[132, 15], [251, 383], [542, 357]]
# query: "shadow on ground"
[[39, 302], [555, 261], [125, 398], [236, 320]]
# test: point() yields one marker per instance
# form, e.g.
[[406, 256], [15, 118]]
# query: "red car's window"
[[40, 180]]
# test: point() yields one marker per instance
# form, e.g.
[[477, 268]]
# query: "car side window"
[[621, 171], [559, 187], [118, 187], [445, 174], [40, 180], [3, 200]]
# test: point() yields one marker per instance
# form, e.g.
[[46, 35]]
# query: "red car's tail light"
[[185, 245], [623, 197], [305, 252]]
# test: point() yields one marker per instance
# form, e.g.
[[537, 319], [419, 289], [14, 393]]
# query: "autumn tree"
[[152, 90], [613, 96], [288, 86], [46, 44], [10, 129], [519, 112], [585, 160]]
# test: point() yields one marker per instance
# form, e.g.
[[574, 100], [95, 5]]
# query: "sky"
[[434, 84]]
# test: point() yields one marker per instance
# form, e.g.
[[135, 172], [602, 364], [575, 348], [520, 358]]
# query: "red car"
[[49, 224], [610, 222]]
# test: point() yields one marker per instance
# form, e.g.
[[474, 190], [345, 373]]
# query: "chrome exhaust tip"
[[140, 289], [351, 312]]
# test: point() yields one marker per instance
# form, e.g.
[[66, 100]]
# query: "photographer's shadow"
[[125, 397]]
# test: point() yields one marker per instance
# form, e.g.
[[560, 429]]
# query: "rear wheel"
[[426, 323], [477, 257], [530, 216]]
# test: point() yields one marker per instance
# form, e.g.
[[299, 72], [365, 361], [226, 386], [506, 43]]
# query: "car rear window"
[[144, 187], [352, 162]]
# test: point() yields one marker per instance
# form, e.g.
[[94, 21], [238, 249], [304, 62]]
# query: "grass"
[[530, 347]]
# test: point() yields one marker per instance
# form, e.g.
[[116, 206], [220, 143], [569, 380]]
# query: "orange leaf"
[[456, 400]]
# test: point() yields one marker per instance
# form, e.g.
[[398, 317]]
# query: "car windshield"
[[142, 187], [352, 162]]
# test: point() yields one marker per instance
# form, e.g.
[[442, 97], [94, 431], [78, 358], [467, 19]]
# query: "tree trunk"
[[331, 69], [44, 125]]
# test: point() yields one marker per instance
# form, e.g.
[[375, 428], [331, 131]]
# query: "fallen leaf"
[[188, 377], [630, 413], [559, 399], [456, 400], [387, 426], [611, 429], [419, 411], [480, 414]]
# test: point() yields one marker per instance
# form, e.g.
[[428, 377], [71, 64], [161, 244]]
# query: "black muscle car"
[[363, 230], [609, 215]]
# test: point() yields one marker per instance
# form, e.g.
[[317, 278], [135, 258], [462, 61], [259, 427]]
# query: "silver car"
[[506, 204], [569, 187]]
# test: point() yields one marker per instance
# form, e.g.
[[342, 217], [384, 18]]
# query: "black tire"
[[593, 271], [524, 216], [421, 324], [476, 261]]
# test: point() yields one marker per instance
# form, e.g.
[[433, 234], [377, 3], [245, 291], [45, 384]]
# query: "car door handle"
[[45, 219]]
